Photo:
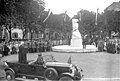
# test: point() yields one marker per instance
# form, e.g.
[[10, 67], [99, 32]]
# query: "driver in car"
[[39, 59]]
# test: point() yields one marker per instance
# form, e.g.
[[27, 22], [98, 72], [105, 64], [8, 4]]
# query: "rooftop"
[[114, 6]]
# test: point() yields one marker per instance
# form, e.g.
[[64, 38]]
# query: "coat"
[[2, 71], [22, 54]]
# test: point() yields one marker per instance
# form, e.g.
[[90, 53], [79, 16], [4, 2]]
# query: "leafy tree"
[[113, 18], [57, 24], [22, 13], [87, 22]]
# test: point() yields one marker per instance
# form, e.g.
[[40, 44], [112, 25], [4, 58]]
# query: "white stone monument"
[[76, 40]]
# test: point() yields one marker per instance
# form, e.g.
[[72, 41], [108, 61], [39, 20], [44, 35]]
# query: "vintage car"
[[50, 70]]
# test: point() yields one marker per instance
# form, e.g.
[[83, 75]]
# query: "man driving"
[[39, 59]]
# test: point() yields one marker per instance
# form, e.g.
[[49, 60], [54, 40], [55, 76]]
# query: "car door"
[[37, 70], [24, 69]]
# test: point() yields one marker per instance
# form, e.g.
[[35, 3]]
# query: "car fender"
[[10, 70], [66, 74]]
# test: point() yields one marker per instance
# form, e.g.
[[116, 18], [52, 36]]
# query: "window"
[[15, 35]]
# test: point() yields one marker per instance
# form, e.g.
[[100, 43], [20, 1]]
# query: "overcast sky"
[[72, 6]]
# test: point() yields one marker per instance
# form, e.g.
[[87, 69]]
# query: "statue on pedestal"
[[76, 40]]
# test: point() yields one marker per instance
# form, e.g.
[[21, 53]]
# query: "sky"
[[73, 6]]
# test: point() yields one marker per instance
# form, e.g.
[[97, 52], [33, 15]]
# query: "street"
[[99, 66]]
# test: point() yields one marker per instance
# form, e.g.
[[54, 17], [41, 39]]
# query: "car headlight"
[[72, 69], [78, 68], [5, 64]]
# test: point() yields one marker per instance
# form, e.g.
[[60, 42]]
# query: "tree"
[[56, 23], [87, 21], [22, 13]]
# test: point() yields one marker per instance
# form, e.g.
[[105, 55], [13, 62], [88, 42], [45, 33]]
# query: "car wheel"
[[50, 74], [10, 75], [66, 78]]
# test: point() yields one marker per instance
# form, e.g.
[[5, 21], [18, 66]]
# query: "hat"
[[40, 54]]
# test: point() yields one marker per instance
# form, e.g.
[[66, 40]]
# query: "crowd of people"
[[113, 46], [31, 47], [8, 48]]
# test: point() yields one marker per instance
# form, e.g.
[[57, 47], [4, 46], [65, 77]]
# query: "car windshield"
[[48, 58]]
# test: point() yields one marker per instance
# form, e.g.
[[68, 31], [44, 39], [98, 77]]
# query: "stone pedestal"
[[76, 42]]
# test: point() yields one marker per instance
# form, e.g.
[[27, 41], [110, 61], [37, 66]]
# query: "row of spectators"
[[113, 46], [31, 46], [13, 47], [110, 46]]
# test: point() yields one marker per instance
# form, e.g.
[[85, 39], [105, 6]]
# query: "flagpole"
[[96, 18], [96, 22], [65, 16], [49, 12]]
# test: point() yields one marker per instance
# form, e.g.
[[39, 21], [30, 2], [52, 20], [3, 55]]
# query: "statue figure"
[[76, 40], [75, 31]]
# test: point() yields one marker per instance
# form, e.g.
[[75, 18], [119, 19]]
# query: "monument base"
[[76, 42], [69, 49]]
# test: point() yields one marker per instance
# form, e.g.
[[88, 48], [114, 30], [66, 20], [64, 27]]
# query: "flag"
[[65, 16], [49, 12], [79, 16], [69, 60], [96, 16]]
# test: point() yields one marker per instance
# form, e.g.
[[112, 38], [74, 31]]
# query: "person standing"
[[84, 42], [2, 71], [96, 41], [100, 45], [5, 49], [22, 57]]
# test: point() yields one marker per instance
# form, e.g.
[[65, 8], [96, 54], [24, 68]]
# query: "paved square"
[[98, 66]]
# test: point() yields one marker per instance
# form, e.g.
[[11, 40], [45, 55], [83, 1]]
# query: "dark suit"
[[5, 50], [22, 57]]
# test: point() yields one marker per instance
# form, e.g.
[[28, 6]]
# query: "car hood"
[[58, 64]]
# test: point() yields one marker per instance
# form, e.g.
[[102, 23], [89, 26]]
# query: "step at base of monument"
[[67, 48]]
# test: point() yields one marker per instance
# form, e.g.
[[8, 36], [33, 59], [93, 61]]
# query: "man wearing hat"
[[39, 59], [22, 56]]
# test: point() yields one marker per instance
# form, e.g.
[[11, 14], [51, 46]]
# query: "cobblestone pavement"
[[99, 66]]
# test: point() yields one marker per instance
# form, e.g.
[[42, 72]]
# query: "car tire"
[[50, 74], [66, 78], [10, 75]]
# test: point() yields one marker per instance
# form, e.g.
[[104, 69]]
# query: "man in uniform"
[[39, 59]]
